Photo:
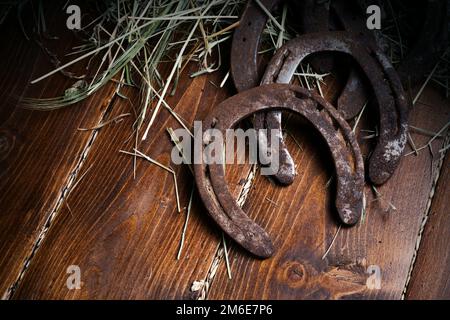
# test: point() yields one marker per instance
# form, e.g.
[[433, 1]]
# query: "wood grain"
[[303, 224], [39, 151], [123, 232], [430, 278]]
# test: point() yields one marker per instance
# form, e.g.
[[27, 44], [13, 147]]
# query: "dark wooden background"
[[68, 197]]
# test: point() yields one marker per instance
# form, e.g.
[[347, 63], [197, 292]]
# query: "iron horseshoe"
[[391, 99], [339, 137]]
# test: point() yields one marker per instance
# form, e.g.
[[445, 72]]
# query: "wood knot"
[[293, 273]]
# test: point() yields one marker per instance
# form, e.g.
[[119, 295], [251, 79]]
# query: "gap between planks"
[[220, 251], [431, 196], [64, 193]]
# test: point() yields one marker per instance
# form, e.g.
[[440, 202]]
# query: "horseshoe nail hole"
[[249, 24], [244, 39]]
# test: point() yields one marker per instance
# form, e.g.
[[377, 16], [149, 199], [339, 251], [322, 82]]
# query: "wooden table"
[[68, 197]]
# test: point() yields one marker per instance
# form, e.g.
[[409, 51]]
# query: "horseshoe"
[[391, 99], [322, 115], [244, 63], [246, 72]]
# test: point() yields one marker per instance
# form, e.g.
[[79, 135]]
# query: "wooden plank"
[[430, 278], [122, 232], [303, 223], [39, 151]]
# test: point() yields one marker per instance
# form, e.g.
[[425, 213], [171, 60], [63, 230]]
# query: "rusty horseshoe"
[[247, 70], [315, 16], [393, 106], [339, 137]]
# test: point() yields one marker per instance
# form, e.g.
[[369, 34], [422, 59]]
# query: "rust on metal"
[[244, 49], [246, 69], [315, 16], [323, 116], [392, 103]]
